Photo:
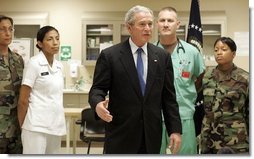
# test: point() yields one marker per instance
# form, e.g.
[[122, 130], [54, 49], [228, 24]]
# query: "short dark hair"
[[42, 32], [3, 17], [227, 40]]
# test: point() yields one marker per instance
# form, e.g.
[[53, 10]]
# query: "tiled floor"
[[83, 150], [96, 148]]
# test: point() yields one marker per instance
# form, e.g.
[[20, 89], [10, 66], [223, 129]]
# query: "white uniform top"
[[45, 111]]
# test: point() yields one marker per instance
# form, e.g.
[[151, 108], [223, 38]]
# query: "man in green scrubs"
[[188, 69]]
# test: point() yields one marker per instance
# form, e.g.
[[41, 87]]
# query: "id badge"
[[44, 73], [185, 74]]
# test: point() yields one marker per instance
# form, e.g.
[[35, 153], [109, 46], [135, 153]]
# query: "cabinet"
[[213, 26], [181, 32], [212, 30], [75, 100], [98, 35], [103, 29], [210, 33]]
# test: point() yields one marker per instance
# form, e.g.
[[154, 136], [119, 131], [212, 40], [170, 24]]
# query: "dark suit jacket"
[[116, 74]]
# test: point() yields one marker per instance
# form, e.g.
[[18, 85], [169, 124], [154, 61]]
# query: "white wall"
[[66, 16]]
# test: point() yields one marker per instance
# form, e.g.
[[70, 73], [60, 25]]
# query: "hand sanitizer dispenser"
[[74, 64], [74, 70]]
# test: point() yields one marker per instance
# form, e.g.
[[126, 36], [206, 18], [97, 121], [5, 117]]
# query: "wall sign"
[[65, 53]]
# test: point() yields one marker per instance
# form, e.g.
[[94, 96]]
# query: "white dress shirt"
[[134, 48]]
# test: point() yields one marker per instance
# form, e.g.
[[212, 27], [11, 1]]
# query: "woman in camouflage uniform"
[[226, 102], [11, 70]]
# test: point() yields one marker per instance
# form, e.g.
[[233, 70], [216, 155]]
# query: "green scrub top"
[[188, 63]]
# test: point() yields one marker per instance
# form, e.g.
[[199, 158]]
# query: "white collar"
[[44, 62], [134, 47]]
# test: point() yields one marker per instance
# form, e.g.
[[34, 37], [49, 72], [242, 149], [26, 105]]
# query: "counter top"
[[71, 91]]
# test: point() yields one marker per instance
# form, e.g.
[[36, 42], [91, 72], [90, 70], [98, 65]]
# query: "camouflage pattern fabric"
[[11, 72], [11, 145], [226, 105]]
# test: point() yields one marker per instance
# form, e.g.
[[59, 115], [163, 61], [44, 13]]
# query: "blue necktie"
[[140, 69]]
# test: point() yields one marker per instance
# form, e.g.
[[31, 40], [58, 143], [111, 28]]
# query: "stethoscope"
[[179, 46], [180, 50]]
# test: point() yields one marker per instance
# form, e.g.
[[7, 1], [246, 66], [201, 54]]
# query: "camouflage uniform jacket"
[[10, 81], [226, 104]]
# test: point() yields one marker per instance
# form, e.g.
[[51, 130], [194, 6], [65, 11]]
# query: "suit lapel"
[[152, 66]]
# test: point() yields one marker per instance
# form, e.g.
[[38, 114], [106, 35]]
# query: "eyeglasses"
[[4, 30]]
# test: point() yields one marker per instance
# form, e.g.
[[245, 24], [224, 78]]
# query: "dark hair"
[[227, 40], [42, 32], [3, 17]]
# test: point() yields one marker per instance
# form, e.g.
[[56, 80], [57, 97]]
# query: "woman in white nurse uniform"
[[40, 106]]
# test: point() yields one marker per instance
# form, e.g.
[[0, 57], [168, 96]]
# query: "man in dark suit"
[[139, 79]]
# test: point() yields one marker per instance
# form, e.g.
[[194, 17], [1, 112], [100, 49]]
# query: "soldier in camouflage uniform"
[[11, 70], [226, 102]]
